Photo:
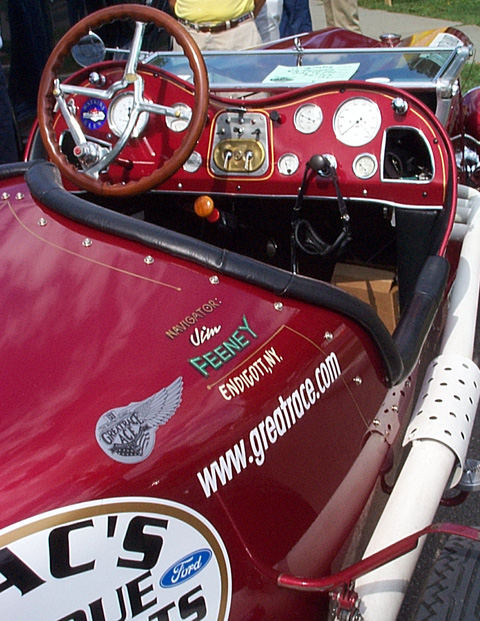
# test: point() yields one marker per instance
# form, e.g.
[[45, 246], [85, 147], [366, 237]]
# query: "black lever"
[[304, 236]]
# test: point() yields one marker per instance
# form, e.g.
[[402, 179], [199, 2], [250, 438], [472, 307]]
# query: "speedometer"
[[357, 121], [119, 115]]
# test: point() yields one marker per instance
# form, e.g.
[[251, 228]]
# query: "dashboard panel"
[[386, 145]]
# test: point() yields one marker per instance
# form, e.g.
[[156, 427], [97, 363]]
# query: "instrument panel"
[[385, 145]]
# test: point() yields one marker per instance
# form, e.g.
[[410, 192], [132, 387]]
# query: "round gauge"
[[119, 115], [308, 118], [193, 163], [178, 123], [357, 121], [288, 164], [365, 166]]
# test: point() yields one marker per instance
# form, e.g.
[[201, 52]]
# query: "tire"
[[452, 589]]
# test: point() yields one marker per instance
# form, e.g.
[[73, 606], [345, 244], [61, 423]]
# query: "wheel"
[[93, 160], [452, 590]]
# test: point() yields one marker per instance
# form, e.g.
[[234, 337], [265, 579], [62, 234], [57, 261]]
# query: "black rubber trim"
[[416, 321], [45, 185], [15, 169]]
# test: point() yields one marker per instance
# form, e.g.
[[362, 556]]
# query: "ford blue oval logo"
[[185, 568]]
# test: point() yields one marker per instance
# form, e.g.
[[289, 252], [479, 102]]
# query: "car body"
[[221, 297]]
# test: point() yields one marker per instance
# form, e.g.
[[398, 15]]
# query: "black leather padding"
[[45, 185]]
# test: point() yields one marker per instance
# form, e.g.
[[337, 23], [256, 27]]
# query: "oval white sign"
[[118, 559]]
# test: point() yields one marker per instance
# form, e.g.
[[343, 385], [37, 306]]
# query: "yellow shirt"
[[212, 10]]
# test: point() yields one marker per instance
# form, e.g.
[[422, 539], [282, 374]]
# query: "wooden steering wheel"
[[92, 158]]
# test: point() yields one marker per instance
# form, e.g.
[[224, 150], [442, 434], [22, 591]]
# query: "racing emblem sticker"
[[93, 113], [140, 559], [127, 433]]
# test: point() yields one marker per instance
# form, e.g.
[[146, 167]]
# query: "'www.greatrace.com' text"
[[271, 428]]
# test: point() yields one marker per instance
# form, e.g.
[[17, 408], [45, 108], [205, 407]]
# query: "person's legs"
[[268, 20], [31, 43], [296, 18], [8, 143], [241, 37], [345, 15]]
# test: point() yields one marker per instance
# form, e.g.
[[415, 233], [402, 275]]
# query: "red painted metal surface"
[[109, 328], [272, 429]]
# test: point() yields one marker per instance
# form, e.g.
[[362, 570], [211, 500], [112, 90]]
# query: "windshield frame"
[[442, 80]]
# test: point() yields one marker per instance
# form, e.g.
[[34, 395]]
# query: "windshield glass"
[[280, 69]]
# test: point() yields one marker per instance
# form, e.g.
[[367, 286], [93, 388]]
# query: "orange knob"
[[203, 206]]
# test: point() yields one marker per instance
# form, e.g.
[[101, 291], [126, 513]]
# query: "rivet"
[[19, 196], [357, 380], [42, 222], [408, 383], [375, 422], [87, 242], [5, 196], [148, 259], [239, 187], [394, 408], [214, 280], [328, 336], [180, 186], [278, 306]]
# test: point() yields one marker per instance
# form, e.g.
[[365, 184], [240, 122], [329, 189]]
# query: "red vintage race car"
[[239, 295]]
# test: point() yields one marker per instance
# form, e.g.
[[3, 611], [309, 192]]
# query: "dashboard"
[[384, 144]]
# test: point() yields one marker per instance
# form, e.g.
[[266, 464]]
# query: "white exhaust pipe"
[[439, 434]]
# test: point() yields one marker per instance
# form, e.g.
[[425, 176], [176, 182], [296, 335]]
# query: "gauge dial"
[[119, 115], [308, 118], [357, 121], [365, 166], [288, 164], [177, 123]]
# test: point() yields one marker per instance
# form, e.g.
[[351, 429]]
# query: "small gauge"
[[308, 118], [119, 115], [193, 163], [365, 166], [181, 120], [357, 121], [288, 164]]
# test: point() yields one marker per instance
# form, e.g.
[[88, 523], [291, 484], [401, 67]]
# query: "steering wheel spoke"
[[126, 108]]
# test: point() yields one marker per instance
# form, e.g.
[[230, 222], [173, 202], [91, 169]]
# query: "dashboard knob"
[[319, 163], [275, 116], [400, 106], [204, 207]]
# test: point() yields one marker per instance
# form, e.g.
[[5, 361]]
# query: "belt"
[[219, 27]]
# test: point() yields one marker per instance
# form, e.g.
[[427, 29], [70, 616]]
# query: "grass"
[[464, 12]]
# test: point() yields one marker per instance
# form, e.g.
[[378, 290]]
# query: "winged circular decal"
[[127, 433]]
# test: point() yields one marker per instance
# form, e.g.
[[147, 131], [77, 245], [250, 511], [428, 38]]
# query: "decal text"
[[269, 430], [218, 356]]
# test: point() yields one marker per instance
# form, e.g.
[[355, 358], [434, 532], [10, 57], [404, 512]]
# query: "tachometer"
[[357, 121], [308, 118]]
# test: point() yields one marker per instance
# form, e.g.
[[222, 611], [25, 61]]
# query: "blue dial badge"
[[94, 113]]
